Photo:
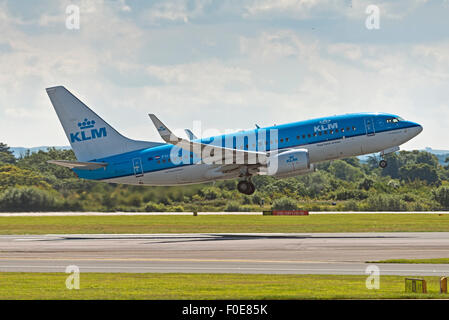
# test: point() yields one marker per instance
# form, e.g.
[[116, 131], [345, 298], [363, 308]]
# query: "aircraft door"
[[369, 126], [138, 169]]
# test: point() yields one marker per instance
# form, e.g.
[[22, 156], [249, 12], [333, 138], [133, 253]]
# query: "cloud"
[[347, 50], [299, 8], [226, 71], [37, 60], [329, 9], [175, 11]]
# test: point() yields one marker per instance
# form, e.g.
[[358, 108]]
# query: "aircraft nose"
[[416, 128], [420, 129]]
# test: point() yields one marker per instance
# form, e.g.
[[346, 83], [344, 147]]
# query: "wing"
[[209, 153]]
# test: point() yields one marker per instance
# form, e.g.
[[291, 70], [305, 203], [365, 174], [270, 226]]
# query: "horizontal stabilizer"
[[79, 165]]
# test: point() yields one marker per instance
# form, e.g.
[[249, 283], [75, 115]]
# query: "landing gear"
[[246, 187], [383, 164]]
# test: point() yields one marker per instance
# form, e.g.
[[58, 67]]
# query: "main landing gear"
[[246, 187]]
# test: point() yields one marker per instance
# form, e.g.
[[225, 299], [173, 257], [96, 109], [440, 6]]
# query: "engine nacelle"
[[289, 163]]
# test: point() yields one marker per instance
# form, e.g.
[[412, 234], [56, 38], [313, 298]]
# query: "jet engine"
[[289, 163]]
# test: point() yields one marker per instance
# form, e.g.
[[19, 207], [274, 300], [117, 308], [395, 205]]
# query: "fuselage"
[[325, 139]]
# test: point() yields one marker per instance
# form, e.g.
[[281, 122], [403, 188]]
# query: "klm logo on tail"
[[87, 132]]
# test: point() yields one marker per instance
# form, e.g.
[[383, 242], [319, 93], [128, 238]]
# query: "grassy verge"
[[213, 224], [430, 261], [205, 286]]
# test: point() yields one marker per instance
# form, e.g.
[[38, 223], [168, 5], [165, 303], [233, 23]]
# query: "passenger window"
[[159, 161], [325, 132], [314, 134], [297, 137], [342, 129], [286, 139], [353, 128], [319, 133], [282, 140], [303, 136], [308, 135], [336, 130], [347, 128]]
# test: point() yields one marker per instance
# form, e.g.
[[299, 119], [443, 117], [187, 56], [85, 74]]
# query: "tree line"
[[413, 181]]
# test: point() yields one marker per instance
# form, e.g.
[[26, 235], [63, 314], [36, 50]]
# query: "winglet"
[[164, 132], [190, 134]]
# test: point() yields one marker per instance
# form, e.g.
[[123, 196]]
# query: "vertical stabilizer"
[[89, 135]]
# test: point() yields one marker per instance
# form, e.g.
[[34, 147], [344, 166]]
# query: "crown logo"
[[86, 124]]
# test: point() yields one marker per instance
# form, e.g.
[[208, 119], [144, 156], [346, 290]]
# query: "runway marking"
[[362, 271], [166, 260]]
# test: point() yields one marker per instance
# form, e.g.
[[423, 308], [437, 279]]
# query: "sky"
[[227, 64]]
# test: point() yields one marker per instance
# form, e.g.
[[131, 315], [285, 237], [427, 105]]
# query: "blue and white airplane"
[[285, 150]]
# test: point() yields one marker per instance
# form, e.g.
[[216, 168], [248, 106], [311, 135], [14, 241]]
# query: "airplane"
[[285, 150]]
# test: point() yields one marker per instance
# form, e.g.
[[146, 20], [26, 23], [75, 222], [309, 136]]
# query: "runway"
[[299, 253]]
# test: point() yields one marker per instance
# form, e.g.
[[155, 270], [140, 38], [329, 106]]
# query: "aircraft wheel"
[[383, 164], [246, 187], [252, 188]]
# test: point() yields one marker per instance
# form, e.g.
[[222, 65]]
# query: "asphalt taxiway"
[[298, 253]]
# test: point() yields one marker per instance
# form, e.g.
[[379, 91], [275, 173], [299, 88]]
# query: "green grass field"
[[225, 224], [205, 286]]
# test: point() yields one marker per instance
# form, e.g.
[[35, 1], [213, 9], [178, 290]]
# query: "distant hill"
[[436, 152], [440, 154], [19, 151]]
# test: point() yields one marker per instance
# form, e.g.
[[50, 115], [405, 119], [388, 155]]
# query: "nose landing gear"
[[383, 163], [246, 187]]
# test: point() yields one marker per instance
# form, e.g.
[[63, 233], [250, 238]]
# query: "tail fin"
[[89, 135]]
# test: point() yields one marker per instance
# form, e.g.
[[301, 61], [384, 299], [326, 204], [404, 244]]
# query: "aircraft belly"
[[194, 173], [190, 174], [382, 141]]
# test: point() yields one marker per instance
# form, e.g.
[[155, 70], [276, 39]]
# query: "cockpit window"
[[395, 120]]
